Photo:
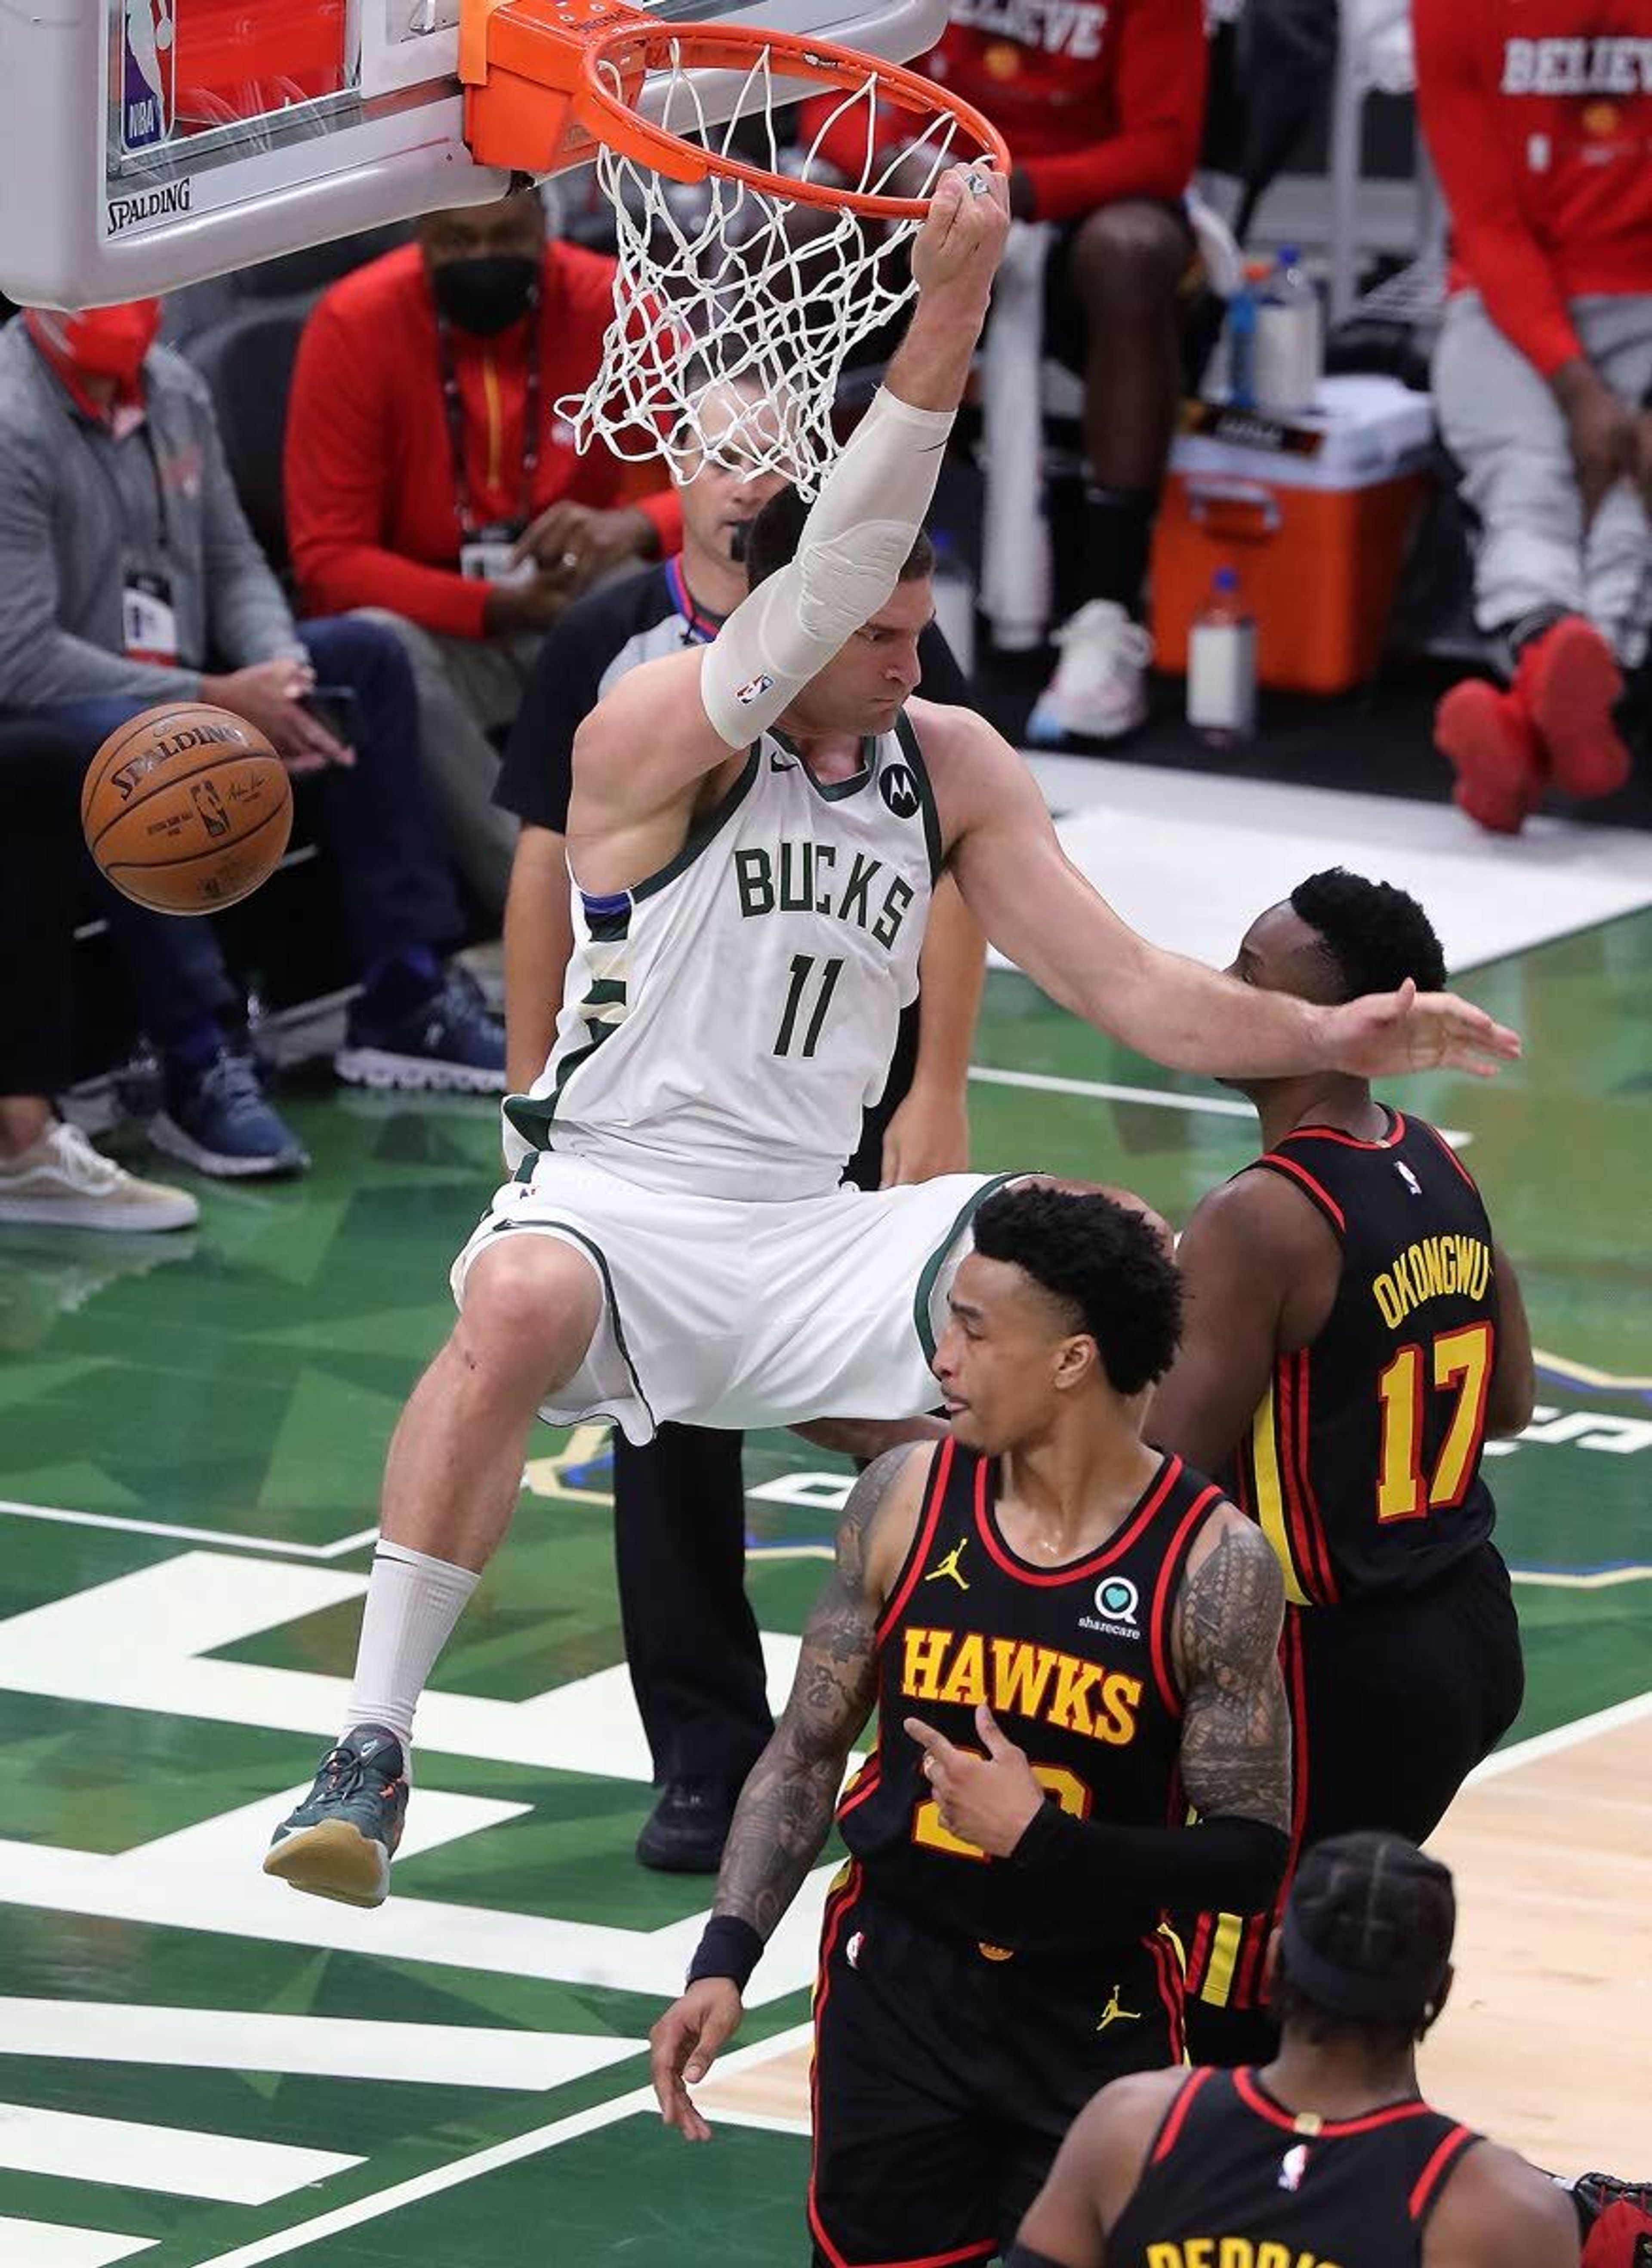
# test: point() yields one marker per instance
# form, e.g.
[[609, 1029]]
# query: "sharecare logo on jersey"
[[1060, 27], [1600, 66], [753, 689], [1118, 1602]]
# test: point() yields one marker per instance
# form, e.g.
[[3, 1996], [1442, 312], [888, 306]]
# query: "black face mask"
[[485, 294]]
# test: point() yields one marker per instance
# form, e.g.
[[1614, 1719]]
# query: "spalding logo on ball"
[[186, 808]]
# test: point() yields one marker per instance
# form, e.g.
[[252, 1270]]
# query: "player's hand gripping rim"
[[684, 2045]]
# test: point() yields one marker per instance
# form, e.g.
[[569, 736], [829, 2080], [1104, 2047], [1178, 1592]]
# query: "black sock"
[[1117, 537]]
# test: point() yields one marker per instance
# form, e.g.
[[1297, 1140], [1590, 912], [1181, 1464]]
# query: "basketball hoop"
[[742, 287]]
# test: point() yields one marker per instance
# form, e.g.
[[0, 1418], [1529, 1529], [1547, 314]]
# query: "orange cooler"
[[1318, 528]]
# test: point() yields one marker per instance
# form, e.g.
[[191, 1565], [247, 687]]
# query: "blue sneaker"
[[445, 1043], [216, 1119], [339, 1842]]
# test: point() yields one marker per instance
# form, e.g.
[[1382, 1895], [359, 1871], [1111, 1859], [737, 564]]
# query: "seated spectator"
[[431, 478], [50, 1175], [1103, 104], [129, 576], [1540, 128], [691, 1641]]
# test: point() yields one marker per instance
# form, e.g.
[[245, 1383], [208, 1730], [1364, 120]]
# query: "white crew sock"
[[413, 1602]]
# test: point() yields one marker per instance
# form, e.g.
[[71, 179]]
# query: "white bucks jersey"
[[727, 1022]]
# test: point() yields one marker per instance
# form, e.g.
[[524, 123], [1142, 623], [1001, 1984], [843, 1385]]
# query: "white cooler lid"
[[1364, 428]]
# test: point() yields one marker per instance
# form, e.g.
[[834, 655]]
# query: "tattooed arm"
[[1236, 1730], [786, 1808], [1087, 1878]]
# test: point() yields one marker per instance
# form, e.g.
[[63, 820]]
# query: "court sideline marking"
[[479, 2162]]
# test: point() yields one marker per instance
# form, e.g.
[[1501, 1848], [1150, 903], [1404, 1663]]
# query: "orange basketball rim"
[[550, 82]]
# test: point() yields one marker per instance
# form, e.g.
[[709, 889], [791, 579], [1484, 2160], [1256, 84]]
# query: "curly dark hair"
[[1103, 1262], [1374, 935], [778, 530], [1370, 1923]]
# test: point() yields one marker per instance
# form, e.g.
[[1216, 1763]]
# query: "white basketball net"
[[736, 308]]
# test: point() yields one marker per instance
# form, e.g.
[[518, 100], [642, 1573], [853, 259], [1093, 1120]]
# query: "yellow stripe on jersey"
[[1224, 1955], [1270, 1495]]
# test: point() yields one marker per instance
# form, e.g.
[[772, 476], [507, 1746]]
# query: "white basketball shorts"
[[718, 1312]]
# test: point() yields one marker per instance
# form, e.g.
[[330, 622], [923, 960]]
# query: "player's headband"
[[1349, 1992]]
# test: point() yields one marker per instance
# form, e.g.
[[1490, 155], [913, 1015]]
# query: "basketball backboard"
[[146, 144]]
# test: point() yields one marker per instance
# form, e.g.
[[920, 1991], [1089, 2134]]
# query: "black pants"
[[41, 861], [1392, 1705], [394, 886], [945, 2077], [691, 1641]]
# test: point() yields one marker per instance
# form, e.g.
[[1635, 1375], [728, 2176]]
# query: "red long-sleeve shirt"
[[1098, 99], [1538, 118], [371, 505]]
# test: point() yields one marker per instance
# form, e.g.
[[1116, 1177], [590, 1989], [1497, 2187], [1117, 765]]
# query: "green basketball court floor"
[[197, 2067]]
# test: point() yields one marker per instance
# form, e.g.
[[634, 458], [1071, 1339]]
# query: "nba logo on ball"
[[1118, 1598]]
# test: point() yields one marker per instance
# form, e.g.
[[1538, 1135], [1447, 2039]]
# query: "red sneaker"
[[1569, 680], [1487, 739]]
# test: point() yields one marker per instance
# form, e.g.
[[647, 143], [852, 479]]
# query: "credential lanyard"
[[453, 409]]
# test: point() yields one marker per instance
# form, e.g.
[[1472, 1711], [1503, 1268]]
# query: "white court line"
[[178, 2160], [222, 1538], [1154, 1098], [482, 2161], [52, 2244], [1562, 1737]]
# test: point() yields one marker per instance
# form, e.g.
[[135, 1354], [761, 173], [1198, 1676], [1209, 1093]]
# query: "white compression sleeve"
[[857, 538]]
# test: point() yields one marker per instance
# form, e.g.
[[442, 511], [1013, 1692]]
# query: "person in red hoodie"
[[1103, 104], [432, 481], [1538, 117]]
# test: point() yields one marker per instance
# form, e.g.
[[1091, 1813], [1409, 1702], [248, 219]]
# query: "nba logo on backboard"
[[149, 72]]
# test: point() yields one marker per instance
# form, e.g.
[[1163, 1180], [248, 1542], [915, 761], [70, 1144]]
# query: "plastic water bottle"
[[1288, 351], [1242, 309], [1221, 666]]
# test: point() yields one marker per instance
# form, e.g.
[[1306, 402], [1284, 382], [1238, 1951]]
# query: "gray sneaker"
[[339, 1842], [61, 1181]]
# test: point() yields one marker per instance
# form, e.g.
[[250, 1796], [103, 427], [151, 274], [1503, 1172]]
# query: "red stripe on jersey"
[[1081, 1570], [1169, 1581], [1200, 1953], [1437, 2172], [1171, 1992], [1248, 2087], [939, 1474], [1285, 1442], [1320, 1195], [865, 1783], [1305, 1476], [1170, 2132]]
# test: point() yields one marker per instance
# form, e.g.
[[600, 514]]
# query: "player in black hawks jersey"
[[1068, 1639], [1354, 1334], [1329, 2157]]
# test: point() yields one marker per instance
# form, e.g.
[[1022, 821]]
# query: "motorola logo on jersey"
[[1118, 1602], [899, 790]]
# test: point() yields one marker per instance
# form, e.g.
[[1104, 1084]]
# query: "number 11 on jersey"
[[803, 967]]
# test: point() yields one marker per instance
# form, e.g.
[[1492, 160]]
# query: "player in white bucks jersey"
[[754, 844], [728, 1020]]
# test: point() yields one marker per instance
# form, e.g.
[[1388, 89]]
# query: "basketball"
[[186, 808]]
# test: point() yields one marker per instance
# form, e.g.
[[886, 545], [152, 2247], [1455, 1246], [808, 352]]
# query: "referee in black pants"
[[691, 1640]]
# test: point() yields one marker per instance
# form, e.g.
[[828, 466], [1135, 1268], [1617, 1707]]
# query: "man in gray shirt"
[[129, 576]]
